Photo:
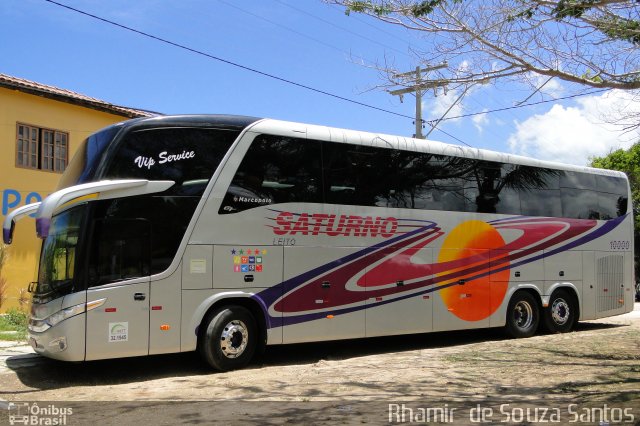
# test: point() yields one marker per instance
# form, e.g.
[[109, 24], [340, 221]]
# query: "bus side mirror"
[[7, 234], [102, 190], [9, 224]]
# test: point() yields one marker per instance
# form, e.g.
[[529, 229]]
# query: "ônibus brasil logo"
[[26, 413]]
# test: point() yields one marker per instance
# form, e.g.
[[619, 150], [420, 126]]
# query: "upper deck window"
[[188, 156], [278, 170], [85, 161]]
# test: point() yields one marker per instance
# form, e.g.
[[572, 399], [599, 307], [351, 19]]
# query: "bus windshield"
[[58, 257]]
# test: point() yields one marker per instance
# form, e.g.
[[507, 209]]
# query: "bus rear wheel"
[[523, 315], [561, 314], [229, 339]]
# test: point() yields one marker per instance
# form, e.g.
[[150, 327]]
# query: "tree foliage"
[[594, 43]]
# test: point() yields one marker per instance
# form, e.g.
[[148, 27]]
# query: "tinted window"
[[434, 194], [87, 158], [613, 196], [612, 185], [548, 178], [383, 177], [578, 180], [162, 222], [427, 181], [611, 205], [121, 250], [276, 169], [580, 203], [358, 175], [541, 202], [505, 201], [188, 156]]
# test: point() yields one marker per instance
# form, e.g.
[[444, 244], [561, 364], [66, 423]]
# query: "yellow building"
[[40, 128]]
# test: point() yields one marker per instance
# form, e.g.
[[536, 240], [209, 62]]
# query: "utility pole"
[[418, 86]]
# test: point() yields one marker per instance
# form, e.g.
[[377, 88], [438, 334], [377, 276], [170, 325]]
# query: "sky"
[[304, 44]]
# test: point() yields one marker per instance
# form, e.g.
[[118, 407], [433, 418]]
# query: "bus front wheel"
[[561, 314], [229, 339], [523, 315]]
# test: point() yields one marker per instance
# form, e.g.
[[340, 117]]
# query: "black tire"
[[562, 313], [523, 315], [229, 338]]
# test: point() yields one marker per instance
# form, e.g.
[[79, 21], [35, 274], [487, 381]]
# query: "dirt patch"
[[596, 366]]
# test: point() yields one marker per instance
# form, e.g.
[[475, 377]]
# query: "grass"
[[13, 325]]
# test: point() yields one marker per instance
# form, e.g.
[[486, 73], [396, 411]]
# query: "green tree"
[[627, 161]]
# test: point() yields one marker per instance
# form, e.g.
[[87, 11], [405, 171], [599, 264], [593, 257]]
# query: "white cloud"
[[438, 106], [464, 66], [573, 134], [480, 120]]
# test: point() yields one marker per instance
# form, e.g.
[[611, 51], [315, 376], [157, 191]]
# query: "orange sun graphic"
[[473, 244]]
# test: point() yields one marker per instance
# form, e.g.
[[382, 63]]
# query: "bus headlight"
[[39, 326], [64, 314]]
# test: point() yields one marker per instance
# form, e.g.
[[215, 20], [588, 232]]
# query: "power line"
[[342, 28], [377, 28], [331, 46], [523, 105], [539, 88], [226, 61], [451, 136], [301, 85]]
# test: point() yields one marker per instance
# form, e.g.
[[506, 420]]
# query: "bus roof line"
[[364, 138]]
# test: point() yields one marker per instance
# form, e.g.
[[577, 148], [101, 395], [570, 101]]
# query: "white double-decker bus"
[[224, 234]]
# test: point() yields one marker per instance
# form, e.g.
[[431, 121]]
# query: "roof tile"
[[69, 96]]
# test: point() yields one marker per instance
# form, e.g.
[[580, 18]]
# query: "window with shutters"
[[41, 149]]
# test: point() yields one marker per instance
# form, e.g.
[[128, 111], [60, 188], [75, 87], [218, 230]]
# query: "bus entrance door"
[[119, 273], [120, 327]]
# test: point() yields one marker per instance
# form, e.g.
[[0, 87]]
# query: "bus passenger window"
[[359, 175], [611, 205], [120, 250], [580, 204], [578, 180], [275, 169], [541, 202]]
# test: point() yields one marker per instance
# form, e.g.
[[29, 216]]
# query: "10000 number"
[[620, 245]]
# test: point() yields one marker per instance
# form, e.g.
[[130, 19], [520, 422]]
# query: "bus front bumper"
[[64, 341]]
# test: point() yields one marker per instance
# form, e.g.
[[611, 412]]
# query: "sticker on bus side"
[[198, 266], [248, 260], [118, 332]]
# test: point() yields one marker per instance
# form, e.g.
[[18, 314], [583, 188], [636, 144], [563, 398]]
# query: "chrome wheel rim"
[[523, 315], [234, 339], [560, 311]]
